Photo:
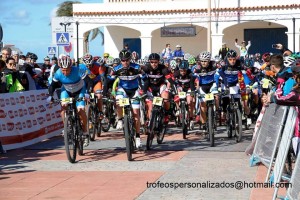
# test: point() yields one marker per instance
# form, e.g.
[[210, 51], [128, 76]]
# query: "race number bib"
[[157, 101], [124, 102]]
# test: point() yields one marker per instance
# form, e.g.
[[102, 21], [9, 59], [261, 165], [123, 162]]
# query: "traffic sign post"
[[62, 39]]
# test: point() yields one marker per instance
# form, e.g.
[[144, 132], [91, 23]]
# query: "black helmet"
[[231, 54], [154, 56], [116, 61], [33, 56], [28, 54], [54, 58], [184, 65], [125, 55]]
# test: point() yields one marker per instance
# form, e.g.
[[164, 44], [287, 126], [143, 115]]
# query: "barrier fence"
[[26, 118], [268, 135]]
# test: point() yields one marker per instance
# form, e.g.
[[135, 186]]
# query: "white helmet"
[[288, 61], [110, 61], [173, 64], [64, 61], [205, 55]]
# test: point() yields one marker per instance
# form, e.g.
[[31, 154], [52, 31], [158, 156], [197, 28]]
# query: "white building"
[[133, 21]]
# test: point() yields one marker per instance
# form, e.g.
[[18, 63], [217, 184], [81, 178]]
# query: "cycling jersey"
[[229, 74], [186, 82], [128, 76], [206, 75]]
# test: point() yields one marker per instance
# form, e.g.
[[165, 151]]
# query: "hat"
[[14, 53], [46, 58], [178, 46], [243, 41], [295, 69]]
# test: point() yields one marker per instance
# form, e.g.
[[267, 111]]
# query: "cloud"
[[20, 17]]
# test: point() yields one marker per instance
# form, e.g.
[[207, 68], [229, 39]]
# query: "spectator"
[[243, 49], [126, 47], [15, 81], [223, 51], [2, 77], [5, 53], [284, 50], [178, 52], [166, 53]]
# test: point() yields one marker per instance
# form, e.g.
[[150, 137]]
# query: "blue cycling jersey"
[[128, 76], [74, 81]]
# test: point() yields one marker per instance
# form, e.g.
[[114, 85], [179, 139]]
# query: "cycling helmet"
[[100, 61], [288, 61], [154, 56], [54, 58], [187, 56], [205, 55], [125, 55], [110, 61], [33, 56], [173, 64], [106, 55], [231, 54], [116, 61], [64, 61], [192, 60], [266, 57], [87, 59], [184, 65], [46, 58]]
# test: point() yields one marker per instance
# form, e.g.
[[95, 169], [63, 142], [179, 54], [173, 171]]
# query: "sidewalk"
[[43, 172]]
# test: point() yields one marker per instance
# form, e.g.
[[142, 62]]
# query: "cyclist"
[[155, 83], [73, 85], [231, 77], [96, 74], [185, 81], [206, 79], [128, 74]]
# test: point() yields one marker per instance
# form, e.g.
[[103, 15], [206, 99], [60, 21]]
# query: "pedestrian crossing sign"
[[51, 50], [62, 39]]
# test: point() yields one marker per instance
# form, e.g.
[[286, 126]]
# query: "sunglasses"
[[204, 61], [153, 62], [12, 64], [105, 56], [125, 60]]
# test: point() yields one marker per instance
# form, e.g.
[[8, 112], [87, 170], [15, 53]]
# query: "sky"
[[26, 24]]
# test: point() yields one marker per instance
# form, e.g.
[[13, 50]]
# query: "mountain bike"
[[184, 113], [156, 124], [73, 133], [128, 128], [233, 116], [211, 118], [93, 115], [109, 114]]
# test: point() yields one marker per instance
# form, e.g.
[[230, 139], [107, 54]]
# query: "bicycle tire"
[[151, 129], [105, 126], [128, 138], [183, 120], [69, 139], [238, 126], [161, 135], [211, 126], [91, 122], [229, 124], [80, 141]]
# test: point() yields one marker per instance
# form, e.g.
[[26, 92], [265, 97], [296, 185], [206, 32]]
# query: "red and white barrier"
[[26, 118]]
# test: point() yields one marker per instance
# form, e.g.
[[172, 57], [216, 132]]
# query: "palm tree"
[[65, 9]]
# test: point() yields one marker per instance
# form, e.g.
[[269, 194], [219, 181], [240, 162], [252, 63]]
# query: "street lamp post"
[[65, 26]]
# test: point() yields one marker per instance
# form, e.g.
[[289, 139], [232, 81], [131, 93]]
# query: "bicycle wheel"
[[229, 123], [80, 141], [70, 139], [238, 126], [211, 126], [151, 129], [91, 122], [161, 134], [183, 120], [105, 124], [128, 139]]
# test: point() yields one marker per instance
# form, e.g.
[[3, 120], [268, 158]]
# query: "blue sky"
[[25, 24]]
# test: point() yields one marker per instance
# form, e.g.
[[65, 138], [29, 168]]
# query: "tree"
[[65, 9]]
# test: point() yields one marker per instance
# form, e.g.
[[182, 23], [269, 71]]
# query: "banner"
[[26, 118]]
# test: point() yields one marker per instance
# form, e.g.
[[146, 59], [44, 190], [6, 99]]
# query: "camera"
[[274, 46]]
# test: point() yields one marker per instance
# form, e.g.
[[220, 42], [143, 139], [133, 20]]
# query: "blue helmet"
[[184, 65]]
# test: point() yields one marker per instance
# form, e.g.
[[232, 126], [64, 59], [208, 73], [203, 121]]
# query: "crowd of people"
[[163, 74]]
